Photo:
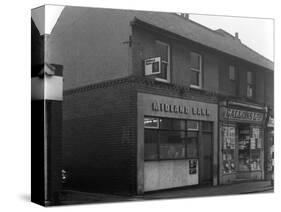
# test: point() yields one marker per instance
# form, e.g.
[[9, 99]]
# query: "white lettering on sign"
[[242, 115], [182, 109]]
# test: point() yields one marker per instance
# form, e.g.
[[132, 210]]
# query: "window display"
[[250, 144], [228, 149]]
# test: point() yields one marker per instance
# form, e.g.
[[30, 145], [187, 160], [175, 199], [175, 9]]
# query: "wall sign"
[[173, 108], [242, 115]]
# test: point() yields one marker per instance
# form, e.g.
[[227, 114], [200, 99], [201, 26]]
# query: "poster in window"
[[253, 143], [228, 138], [256, 132], [259, 143], [192, 166]]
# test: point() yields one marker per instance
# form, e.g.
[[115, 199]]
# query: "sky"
[[256, 33]]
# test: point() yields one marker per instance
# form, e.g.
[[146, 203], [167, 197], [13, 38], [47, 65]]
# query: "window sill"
[[172, 159], [196, 87], [162, 80]]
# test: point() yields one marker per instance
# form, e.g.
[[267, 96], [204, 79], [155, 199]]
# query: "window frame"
[[197, 70], [151, 127], [250, 84], [185, 130], [168, 79]]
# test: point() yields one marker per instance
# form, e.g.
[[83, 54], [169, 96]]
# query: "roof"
[[216, 39]]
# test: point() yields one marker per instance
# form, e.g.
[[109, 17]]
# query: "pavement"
[[77, 197]]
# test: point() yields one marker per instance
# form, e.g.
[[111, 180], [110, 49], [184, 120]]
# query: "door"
[[206, 158]]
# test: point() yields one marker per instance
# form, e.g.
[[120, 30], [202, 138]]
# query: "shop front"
[[241, 128], [177, 142]]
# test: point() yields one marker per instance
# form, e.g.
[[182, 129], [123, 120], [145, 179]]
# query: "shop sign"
[[171, 107], [181, 109], [242, 115]]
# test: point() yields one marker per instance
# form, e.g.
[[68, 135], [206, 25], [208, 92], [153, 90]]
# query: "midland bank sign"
[[171, 107], [180, 109]]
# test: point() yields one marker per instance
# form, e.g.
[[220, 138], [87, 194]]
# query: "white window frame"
[[151, 127], [197, 70], [166, 62]]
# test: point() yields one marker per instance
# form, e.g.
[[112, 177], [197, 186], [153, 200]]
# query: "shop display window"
[[250, 145], [167, 139], [229, 137]]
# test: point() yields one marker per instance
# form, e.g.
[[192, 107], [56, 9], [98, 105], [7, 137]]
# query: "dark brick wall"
[[100, 132], [99, 139], [238, 88], [144, 41]]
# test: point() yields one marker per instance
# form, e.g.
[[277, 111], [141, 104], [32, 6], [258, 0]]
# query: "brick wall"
[[144, 47], [100, 132], [99, 139]]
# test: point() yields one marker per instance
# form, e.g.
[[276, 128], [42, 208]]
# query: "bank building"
[[155, 101]]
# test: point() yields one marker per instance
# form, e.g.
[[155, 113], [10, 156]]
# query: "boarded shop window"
[[150, 146], [196, 70]]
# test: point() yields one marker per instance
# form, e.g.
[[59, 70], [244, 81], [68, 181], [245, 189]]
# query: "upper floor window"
[[196, 70], [159, 66], [250, 84], [232, 73], [163, 51]]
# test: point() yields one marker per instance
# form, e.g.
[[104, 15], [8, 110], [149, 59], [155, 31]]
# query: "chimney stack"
[[237, 35], [184, 15]]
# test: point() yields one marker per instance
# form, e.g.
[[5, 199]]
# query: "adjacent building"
[[155, 100]]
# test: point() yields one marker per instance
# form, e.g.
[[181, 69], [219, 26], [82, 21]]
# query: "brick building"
[[155, 100]]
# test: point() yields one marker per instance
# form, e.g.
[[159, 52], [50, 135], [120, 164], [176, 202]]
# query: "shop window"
[[244, 149], [168, 139], [196, 70], [172, 124], [163, 51], [228, 152], [171, 144], [151, 122], [192, 125], [192, 145], [207, 126], [250, 145]]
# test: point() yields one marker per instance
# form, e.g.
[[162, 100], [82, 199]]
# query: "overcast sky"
[[256, 33]]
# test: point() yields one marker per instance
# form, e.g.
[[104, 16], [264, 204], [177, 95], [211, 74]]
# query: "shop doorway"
[[206, 158]]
